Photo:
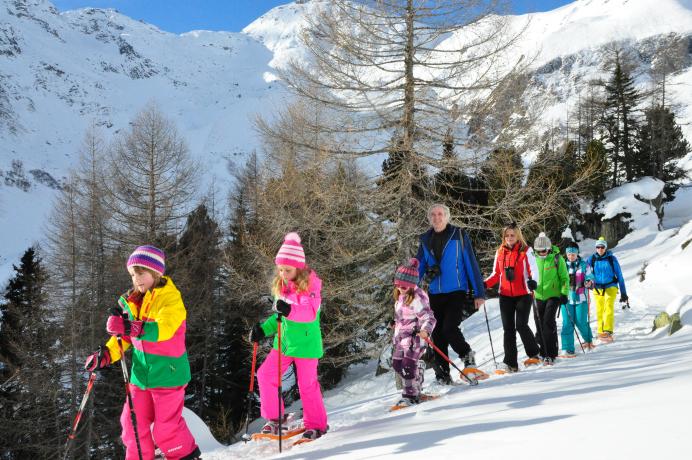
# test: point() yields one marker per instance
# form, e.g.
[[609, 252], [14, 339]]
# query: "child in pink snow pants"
[[297, 292], [153, 324]]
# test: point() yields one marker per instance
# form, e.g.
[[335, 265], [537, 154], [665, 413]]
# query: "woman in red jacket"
[[515, 269]]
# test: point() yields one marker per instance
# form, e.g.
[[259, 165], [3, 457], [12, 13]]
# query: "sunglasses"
[[600, 247]]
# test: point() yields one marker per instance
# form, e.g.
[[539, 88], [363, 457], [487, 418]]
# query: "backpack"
[[592, 259]]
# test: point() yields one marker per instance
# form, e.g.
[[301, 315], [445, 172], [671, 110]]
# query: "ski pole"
[[470, 381], [82, 405], [576, 329], [280, 395], [539, 325], [487, 324], [126, 377], [246, 437]]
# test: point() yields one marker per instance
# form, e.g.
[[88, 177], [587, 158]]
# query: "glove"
[[563, 300], [283, 307], [118, 325], [257, 333], [532, 284], [92, 362], [432, 272], [624, 298]]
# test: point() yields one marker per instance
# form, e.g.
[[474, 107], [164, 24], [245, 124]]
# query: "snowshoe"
[[532, 361], [310, 435], [606, 337], [474, 373], [548, 361], [503, 368], [568, 354], [408, 401], [589, 346], [289, 427]]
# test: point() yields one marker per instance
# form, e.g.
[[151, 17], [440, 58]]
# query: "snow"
[[205, 440], [623, 199], [588, 24], [617, 401]]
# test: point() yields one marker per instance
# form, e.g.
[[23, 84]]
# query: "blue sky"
[[230, 15]]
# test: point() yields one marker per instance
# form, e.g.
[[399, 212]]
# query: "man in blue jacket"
[[448, 263]]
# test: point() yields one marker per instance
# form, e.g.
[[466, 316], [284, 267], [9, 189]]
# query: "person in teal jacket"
[[550, 293], [576, 311]]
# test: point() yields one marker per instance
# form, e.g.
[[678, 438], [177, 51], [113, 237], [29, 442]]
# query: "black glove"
[[432, 272], [563, 300], [283, 307], [257, 333], [624, 298], [532, 284]]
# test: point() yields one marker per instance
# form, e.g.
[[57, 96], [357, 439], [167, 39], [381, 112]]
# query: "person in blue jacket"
[[607, 277], [455, 286]]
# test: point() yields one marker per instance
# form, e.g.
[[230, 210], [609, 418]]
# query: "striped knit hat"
[[406, 276], [148, 257], [291, 252]]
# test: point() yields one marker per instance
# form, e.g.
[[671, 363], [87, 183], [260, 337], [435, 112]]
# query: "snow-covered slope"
[[628, 399]]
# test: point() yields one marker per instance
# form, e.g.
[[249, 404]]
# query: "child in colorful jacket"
[[551, 292], [153, 324], [607, 277], [414, 321], [576, 310], [297, 292]]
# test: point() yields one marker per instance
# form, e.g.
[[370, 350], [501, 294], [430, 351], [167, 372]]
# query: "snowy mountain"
[[628, 399], [63, 71]]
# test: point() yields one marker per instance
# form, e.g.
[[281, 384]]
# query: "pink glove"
[[92, 362], [117, 325]]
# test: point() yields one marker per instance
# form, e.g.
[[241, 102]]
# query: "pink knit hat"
[[406, 275], [291, 252]]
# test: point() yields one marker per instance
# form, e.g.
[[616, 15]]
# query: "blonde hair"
[[517, 231], [302, 281], [410, 294]]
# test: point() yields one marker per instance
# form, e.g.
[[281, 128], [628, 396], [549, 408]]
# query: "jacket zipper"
[[439, 281]]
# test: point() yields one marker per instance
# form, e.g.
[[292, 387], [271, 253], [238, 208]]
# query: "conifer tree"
[[661, 143], [620, 121], [30, 395]]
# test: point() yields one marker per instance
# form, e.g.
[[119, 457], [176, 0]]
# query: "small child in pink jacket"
[[414, 322]]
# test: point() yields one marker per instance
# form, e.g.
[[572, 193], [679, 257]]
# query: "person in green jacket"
[[297, 293], [551, 292]]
